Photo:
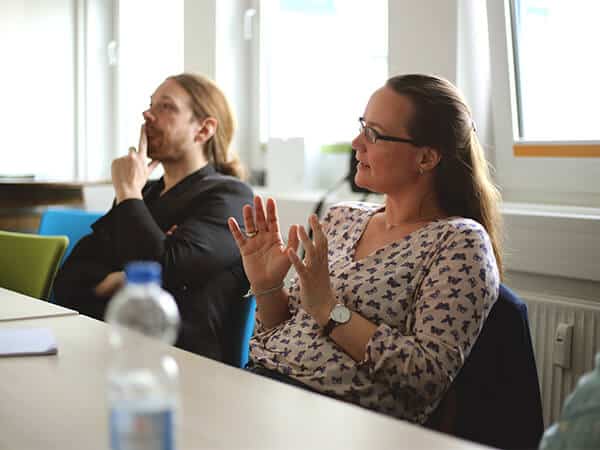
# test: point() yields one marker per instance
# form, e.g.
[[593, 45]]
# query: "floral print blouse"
[[428, 294]]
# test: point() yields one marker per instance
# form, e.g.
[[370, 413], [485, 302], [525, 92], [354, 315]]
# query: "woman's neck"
[[410, 210]]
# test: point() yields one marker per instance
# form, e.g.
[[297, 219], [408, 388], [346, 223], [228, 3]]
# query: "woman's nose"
[[357, 143]]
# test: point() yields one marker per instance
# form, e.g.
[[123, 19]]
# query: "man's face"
[[170, 123]]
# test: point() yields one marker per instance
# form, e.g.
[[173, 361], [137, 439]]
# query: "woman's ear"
[[430, 158], [207, 129]]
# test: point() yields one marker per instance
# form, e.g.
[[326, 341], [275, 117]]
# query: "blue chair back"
[[73, 223], [246, 330], [495, 398]]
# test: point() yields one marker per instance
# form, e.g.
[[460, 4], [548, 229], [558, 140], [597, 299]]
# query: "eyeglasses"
[[373, 135]]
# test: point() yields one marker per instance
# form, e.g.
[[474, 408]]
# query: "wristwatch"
[[339, 315]]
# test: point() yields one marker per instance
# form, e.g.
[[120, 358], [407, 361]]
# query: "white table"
[[15, 306], [59, 402]]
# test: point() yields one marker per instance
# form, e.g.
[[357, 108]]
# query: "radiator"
[[545, 313]]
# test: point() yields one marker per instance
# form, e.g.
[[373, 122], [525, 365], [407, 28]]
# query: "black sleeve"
[[86, 266], [201, 245], [194, 254]]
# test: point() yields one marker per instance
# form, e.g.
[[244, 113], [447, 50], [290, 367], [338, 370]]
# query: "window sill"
[[552, 240]]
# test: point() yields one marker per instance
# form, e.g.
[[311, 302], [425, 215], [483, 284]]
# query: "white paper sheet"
[[27, 341]]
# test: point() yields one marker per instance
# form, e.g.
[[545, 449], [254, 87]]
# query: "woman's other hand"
[[315, 288], [263, 252]]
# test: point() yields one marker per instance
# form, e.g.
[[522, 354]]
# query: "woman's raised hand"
[[316, 294], [263, 252]]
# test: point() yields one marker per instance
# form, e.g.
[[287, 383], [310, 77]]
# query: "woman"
[[390, 299], [179, 220]]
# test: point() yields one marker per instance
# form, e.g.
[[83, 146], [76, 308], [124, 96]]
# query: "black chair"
[[495, 399], [213, 315]]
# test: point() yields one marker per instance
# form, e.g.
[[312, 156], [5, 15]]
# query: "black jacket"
[[495, 398], [200, 260]]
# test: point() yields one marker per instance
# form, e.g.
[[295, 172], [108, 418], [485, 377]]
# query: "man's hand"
[[130, 173], [111, 284]]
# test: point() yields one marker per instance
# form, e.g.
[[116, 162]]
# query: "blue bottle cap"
[[143, 272]]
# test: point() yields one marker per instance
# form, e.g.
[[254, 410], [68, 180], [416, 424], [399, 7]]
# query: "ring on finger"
[[251, 234]]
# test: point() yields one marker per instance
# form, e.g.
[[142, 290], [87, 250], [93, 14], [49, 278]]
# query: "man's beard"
[[151, 150], [154, 140], [154, 143]]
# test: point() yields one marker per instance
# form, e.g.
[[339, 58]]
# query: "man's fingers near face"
[[143, 145]]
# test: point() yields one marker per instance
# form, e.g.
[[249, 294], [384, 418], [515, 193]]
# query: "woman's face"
[[385, 166], [170, 123]]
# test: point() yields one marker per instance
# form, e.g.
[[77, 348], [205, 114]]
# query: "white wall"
[[423, 37], [200, 36]]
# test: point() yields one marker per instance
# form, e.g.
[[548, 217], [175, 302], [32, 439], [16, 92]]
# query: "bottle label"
[[135, 430]]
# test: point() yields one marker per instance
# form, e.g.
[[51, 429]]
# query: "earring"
[[420, 170]]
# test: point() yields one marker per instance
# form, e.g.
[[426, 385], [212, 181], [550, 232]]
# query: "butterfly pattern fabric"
[[428, 294]]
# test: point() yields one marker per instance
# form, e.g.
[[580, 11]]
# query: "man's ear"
[[206, 130], [430, 158]]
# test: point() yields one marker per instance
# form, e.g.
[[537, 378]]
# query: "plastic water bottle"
[[143, 380]]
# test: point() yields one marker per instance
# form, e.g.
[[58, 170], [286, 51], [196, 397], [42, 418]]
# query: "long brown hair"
[[442, 120], [207, 100]]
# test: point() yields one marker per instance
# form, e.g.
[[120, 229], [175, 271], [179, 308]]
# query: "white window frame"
[[548, 180], [552, 205], [96, 121]]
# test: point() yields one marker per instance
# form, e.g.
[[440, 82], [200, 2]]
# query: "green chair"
[[28, 262]]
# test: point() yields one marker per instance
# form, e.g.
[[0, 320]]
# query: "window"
[[557, 69], [319, 63], [150, 49], [36, 86], [73, 93], [546, 133]]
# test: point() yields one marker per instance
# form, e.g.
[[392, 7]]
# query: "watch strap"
[[328, 328]]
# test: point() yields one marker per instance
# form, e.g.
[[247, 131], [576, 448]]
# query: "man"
[[179, 220]]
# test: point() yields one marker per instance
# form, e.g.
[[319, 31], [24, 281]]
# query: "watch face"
[[340, 314]]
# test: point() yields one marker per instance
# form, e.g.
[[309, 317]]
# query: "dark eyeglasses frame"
[[368, 131]]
